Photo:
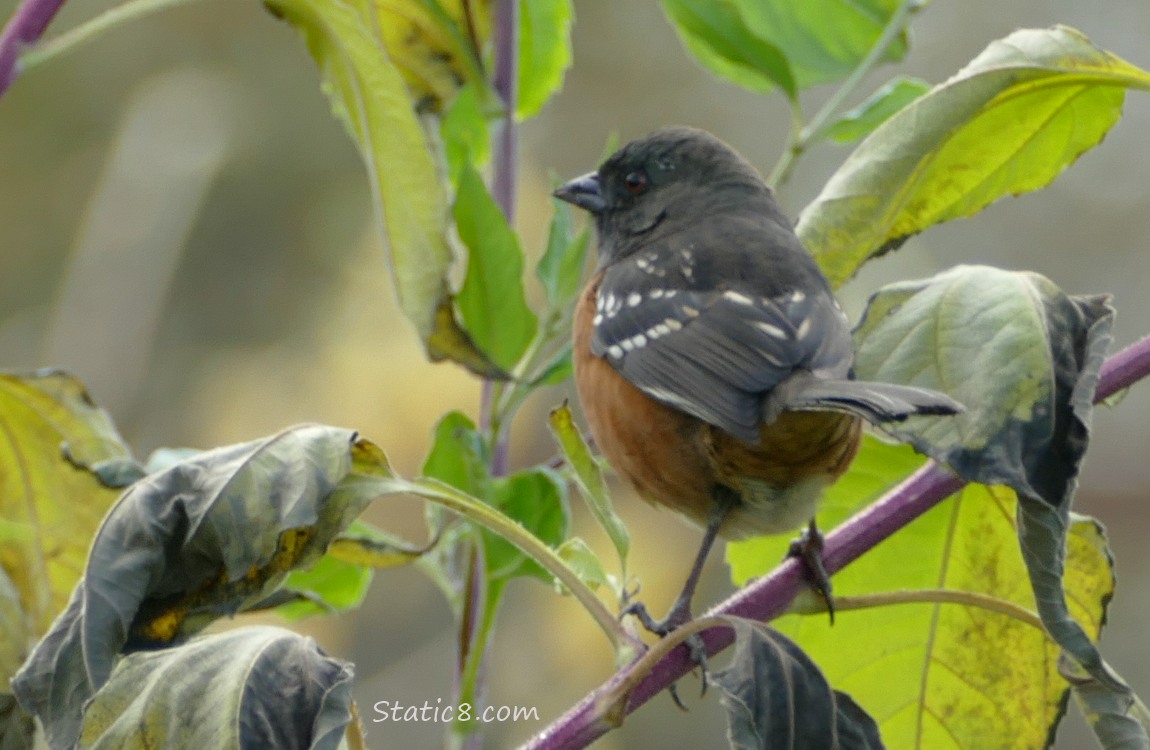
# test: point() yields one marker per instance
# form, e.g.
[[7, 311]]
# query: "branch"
[[25, 27], [770, 596]]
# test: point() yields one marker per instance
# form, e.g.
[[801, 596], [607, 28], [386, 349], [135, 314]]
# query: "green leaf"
[[589, 479], [51, 507], [544, 52], [557, 370], [824, 40], [464, 133], [786, 43], [340, 579], [584, 562], [329, 586], [860, 121], [1008, 123], [560, 268], [458, 456], [927, 671], [491, 301], [716, 33], [1026, 365], [768, 679], [250, 687], [537, 499], [370, 94]]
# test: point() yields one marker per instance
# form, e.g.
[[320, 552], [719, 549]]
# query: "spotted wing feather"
[[715, 354]]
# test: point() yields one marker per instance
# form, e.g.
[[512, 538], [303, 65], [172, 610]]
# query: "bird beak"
[[583, 192]]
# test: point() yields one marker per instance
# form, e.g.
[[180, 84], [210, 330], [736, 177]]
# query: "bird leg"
[[809, 549], [680, 612]]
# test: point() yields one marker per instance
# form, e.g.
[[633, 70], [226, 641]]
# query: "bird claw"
[[809, 549], [679, 614]]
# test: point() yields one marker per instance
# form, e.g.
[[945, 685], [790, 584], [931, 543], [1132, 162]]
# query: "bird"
[[712, 361]]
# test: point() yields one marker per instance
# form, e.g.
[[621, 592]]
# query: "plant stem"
[[941, 596], [503, 188], [813, 130], [24, 28], [86, 32], [490, 518], [492, 422], [769, 596]]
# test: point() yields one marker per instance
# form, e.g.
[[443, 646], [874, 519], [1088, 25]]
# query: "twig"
[[803, 138], [25, 27]]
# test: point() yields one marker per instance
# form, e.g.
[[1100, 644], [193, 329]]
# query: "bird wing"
[[714, 353]]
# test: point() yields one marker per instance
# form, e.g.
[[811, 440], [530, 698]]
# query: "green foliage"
[[544, 52], [491, 300], [1007, 123], [792, 44], [860, 121]]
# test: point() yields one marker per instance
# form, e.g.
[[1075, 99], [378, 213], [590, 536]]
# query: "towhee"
[[712, 360]]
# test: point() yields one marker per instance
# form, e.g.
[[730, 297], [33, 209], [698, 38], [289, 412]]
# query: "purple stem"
[[25, 27], [505, 80], [506, 166], [504, 181], [768, 597]]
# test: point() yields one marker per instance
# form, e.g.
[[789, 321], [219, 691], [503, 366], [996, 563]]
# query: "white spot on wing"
[[639, 340], [770, 357], [672, 324], [804, 329], [689, 311], [771, 330], [669, 397], [655, 293], [634, 299], [615, 352], [597, 319], [740, 299], [798, 296], [628, 345]]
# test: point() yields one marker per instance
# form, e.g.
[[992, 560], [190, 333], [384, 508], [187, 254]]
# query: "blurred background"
[[185, 226]]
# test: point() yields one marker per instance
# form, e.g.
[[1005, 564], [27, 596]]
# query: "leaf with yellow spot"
[[435, 44], [935, 674], [248, 687], [52, 437], [1008, 123], [210, 536]]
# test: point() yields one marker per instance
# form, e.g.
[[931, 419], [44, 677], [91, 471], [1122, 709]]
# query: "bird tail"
[[874, 402]]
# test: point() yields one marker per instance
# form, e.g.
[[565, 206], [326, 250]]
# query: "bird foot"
[[809, 549], [680, 613]]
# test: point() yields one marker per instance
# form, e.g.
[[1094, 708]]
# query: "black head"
[[663, 180]]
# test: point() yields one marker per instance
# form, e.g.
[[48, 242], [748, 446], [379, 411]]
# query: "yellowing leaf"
[[952, 675], [51, 501], [1007, 123], [368, 83], [434, 44]]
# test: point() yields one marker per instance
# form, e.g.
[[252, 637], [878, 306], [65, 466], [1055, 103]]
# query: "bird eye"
[[635, 182]]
